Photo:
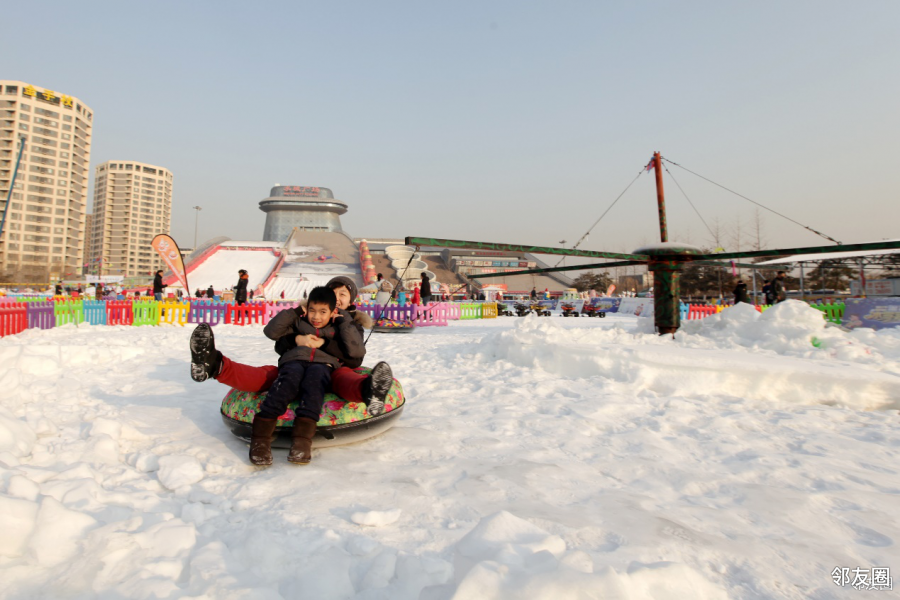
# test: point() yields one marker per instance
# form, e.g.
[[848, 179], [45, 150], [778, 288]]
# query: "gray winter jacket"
[[288, 322]]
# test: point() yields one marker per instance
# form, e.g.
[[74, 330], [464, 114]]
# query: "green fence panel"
[[146, 312], [71, 311], [469, 311]]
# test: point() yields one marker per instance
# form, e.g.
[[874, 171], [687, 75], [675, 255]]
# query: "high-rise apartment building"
[[45, 226], [88, 251], [132, 204]]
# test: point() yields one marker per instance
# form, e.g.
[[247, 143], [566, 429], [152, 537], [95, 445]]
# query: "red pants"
[[345, 382]]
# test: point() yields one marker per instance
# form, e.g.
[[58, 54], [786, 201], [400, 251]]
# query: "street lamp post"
[[196, 222]]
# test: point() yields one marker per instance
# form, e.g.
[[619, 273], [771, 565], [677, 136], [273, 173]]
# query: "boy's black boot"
[[377, 387], [261, 440], [206, 361], [301, 448]]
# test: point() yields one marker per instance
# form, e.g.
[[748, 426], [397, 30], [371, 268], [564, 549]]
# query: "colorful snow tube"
[[392, 326], [342, 422]]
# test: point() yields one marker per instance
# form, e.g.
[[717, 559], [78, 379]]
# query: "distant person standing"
[[767, 293], [740, 293], [384, 291], [533, 294], [158, 286], [210, 292], [240, 290], [426, 289], [198, 293], [58, 290], [778, 290]]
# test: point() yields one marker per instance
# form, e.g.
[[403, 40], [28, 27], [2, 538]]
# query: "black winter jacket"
[[741, 295], [158, 285], [778, 290], [240, 291], [426, 287]]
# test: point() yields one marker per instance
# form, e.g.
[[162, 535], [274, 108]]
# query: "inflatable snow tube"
[[342, 422], [392, 326]]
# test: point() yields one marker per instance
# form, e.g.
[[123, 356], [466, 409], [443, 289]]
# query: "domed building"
[[290, 207]]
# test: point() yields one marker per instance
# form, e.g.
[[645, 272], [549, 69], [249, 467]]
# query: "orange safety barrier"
[[697, 311]]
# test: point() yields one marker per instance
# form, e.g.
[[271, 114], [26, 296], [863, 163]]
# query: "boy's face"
[[343, 297], [318, 314]]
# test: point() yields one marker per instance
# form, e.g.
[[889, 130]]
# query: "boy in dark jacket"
[[304, 372]]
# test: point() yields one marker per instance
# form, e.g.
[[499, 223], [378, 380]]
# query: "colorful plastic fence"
[[469, 311], [20, 313], [13, 318], [833, 313], [246, 314]]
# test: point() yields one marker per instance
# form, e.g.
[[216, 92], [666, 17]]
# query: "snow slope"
[[220, 270], [537, 458]]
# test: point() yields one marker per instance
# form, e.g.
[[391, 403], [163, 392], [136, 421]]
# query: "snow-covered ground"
[[536, 458]]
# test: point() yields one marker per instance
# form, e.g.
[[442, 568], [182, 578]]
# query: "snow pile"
[[376, 518], [507, 558], [176, 472], [785, 355]]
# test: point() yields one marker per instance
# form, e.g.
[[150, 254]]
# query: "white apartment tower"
[[44, 234], [132, 204]]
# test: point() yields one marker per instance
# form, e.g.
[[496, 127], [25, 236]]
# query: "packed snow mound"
[[579, 479], [785, 355], [508, 558]]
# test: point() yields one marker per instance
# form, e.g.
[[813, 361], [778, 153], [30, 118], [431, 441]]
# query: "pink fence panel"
[[273, 308], [432, 315], [453, 313]]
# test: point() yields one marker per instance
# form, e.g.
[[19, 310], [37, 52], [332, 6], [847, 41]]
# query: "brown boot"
[[261, 440], [301, 449]]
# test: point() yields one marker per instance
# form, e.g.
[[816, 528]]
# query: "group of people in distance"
[[319, 344], [773, 291], [421, 292]]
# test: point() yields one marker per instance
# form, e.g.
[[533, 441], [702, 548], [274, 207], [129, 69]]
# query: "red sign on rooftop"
[[297, 190]]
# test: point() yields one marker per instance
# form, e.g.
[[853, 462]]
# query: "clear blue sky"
[[502, 121]]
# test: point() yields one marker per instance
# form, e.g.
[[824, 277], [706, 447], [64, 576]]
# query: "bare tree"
[[737, 237], [756, 227], [717, 239]]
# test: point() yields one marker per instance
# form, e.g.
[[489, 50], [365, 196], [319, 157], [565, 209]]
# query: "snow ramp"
[[219, 268], [310, 260]]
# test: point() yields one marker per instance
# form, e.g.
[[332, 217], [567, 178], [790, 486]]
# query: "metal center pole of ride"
[[802, 283], [660, 198]]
